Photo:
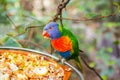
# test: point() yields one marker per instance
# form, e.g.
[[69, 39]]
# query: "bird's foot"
[[62, 60]]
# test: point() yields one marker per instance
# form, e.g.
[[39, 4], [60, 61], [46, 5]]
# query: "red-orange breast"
[[62, 44]]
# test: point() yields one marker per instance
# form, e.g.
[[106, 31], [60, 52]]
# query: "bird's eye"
[[50, 27]]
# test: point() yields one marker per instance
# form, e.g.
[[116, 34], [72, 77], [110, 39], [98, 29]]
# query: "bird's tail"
[[78, 62]]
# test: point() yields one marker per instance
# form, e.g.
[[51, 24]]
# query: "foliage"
[[98, 38]]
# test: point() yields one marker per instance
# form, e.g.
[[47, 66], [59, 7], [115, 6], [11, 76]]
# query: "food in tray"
[[21, 65]]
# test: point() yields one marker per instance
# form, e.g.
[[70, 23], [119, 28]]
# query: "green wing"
[[75, 53], [75, 46]]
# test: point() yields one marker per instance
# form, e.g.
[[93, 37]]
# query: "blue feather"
[[65, 54]]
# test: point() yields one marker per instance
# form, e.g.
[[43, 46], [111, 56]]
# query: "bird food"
[[21, 65]]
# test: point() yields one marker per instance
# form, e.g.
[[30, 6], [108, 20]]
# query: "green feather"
[[75, 46], [60, 28], [77, 60]]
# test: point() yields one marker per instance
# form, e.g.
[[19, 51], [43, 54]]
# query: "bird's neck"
[[56, 38]]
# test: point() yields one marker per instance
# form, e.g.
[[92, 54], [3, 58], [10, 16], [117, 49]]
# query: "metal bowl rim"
[[45, 54]]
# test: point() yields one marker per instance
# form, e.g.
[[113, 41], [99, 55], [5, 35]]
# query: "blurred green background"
[[98, 38]]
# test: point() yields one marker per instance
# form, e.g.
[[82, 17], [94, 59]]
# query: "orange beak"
[[45, 34]]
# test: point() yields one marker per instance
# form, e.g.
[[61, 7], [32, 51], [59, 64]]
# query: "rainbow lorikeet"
[[63, 41]]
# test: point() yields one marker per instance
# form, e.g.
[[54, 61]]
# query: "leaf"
[[90, 15], [3, 2], [117, 5], [104, 77], [111, 24], [111, 62], [110, 71], [116, 42], [2, 39], [12, 1], [92, 64], [12, 34], [11, 42], [109, 49]]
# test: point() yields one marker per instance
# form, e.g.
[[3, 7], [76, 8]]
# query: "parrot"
[[63, 41]]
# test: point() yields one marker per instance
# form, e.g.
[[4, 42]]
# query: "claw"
[[62, 60]]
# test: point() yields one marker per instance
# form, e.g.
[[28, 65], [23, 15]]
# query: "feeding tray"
[[27, 64]]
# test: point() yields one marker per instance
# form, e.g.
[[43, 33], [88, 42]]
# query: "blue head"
[[51, 30]]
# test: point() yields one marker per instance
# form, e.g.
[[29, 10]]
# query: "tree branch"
[[82, 58], [14, 26], [32, 43], [88, 19], [60, 7]]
